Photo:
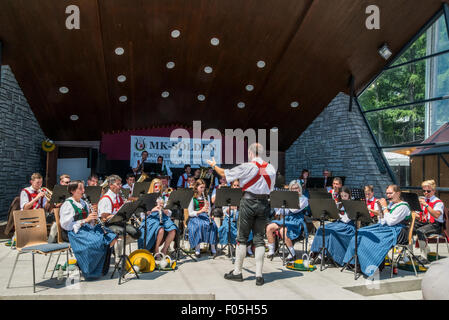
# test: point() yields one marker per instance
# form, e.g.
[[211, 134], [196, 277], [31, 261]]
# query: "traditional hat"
[[299, 266], [142, 259]]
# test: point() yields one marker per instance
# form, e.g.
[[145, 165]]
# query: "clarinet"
[[208, 215], [160, 211], [91, 209]]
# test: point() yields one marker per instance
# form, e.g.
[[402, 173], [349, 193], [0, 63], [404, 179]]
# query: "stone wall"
[[20, 140], [339, 141]]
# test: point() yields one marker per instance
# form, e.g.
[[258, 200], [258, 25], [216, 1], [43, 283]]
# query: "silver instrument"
[[207, 202], [91, 209]]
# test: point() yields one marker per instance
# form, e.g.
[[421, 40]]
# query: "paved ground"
[[204, 280]]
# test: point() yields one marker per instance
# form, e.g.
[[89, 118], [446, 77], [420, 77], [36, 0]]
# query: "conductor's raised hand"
[[211, 162]]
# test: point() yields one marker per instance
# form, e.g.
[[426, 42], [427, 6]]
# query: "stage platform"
[[203, 280]]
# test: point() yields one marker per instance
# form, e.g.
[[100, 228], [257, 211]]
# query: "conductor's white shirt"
[[247, 171]]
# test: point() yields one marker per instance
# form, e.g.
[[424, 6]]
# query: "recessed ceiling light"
[[123, 98], [64, 90], [74, 117], [208, 69], [201, 97], [294, 104], [121, 78], [249, 87], [119, 51], [241, 105], [274, 129], [170, 65], [260, 64], [175, 33], [165, 94], [214, 41]]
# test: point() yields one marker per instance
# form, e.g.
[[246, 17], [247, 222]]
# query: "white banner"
[[191, 151]]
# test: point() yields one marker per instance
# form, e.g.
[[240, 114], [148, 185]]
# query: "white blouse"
[[67, 214], [192, 212]]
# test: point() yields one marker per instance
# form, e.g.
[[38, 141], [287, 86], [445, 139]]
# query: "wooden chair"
[[31, 233], [405, 249], [60, 240], [442, 235]]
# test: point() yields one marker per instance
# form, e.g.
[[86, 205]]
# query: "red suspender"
[[427, 216], [261, 172], [117, 205], [183, 181], [370, 205], [31, 196]]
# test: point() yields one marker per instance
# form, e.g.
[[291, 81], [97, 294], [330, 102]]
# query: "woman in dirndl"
[[160, 228], [91, 244], [294, 223], [201, 226], [374, 241], [338, 234]]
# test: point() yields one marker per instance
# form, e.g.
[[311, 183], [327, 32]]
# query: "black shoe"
[[270, 256], [214, 255], [233, 277], [259, 281]]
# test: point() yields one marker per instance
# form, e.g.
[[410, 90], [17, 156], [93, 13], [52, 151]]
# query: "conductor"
[[257, 178]]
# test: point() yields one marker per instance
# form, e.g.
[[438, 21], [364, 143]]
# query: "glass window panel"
[[407, 84], [398, 125], [399, 163], [437, 114]]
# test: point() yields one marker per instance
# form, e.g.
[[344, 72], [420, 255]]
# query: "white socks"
[[292, 252], [424, 248], [240, 254], [260, 252], [248, 249], [270, 248]]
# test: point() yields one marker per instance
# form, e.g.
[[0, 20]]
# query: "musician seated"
[[231, 215], [160, 229], [91, 244], [374, 241], [337, 234], [33, 197], [191, 181], [202, 228], [371, 203], [182, 181], [109, 205], [92, 180], [130, 180], [294, 223], [165, 169], [431, 219]]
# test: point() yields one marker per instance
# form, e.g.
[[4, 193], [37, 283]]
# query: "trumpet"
[[48, 193]]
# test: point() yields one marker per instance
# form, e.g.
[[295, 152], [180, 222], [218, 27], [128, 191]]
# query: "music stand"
[[319, 194], [125, 192], [229, 197], [180, 199], [59, 194], [93, 194], [357, 194], [147, 202], [140, 188], [315, 183], [152, 169], [284, 199], [121, 217], [412, 200], [356, 211], [322, 210]]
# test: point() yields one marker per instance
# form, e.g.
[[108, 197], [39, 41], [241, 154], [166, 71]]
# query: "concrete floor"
[[204, 280]]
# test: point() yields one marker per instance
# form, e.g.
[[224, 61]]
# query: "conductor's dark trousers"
[[253, 215]]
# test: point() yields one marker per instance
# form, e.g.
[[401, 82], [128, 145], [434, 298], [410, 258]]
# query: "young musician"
[[337, 234], [202, 228], [138, 167], [90, 242], [165, 169], [130, 180], [182, 181], [294, 222], [431, 218], [231, 215], [371, 203], [303, 180], [376, 240], [191, 181], [326, 175], [92, 180], [196, 174], [110, 204], [64, 180], [160, 228], [33, 197]]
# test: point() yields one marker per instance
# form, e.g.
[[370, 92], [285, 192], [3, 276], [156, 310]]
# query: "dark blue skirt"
[[295, 225], [153, 227], [201, 231], [90, 246], [373, 244], [223, 231], [337, 237]]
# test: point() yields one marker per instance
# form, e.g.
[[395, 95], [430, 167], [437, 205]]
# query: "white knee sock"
[[270, 248], [240, 254], [260, 252], [423, 247]]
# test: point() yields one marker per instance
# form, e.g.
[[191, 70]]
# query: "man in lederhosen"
[[257, 178]]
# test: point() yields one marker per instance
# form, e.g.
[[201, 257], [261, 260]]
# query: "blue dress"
[[153, 226], [223, 230], [200, 228], [295, 224], [337, 237]]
